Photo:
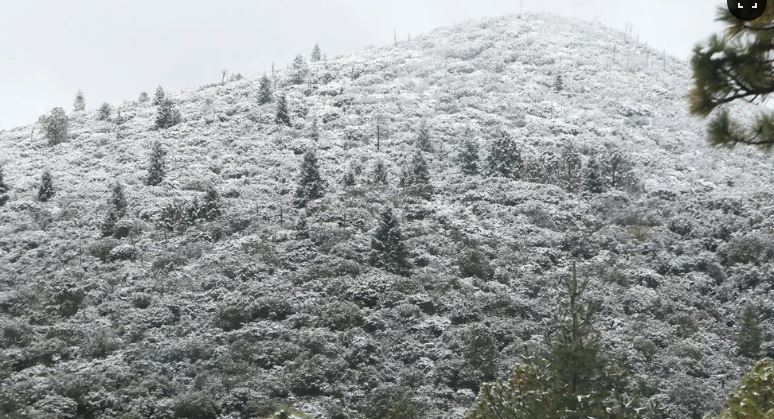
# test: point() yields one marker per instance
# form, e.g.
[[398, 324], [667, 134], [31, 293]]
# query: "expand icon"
[[747, 9]]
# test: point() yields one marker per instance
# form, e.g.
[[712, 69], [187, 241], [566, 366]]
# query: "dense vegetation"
[[390, 235]]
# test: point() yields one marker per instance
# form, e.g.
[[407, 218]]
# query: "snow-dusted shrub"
[[475, 263], [340, 315], [389, 401], [195, 405], [55, 125], [750, 248], [66, 296], [123, 252]]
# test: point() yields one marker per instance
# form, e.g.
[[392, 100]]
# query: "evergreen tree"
[[298, 70], [617, 170], [283, 117], [423, 137], [158, 99], [754, 397], [55, 126], [193, 213], [388, 249], [117, 201], [79, 105], [167, 114], [3, 189], [750, 335], [310, 183], [315, 131], [592, 179], [46, 190], [735, 66], [416, 176], [469, 157], [109, 223], [504, 157], [210, 209], [170, 217], [157, 166], [380, 173], [558, 83], [572, 166], [144, 98], [316, 53], [103, 113], [349, 179], [264, 90]]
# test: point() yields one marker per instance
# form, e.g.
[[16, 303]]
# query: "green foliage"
[[157, 166], [310, 183], [46, 189], [79, 105], [504, 157], [167, 114], [103, 113], [416, 177], [469, 157], [750, 337], [159, 97], [735, 66], [388, 251], [264, 90], [283, 117], [55, 126], [755, 396]]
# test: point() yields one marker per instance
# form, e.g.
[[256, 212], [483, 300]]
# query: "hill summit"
[[380, 232]]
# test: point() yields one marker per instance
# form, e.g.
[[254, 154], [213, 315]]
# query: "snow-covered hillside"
[[257, 309]]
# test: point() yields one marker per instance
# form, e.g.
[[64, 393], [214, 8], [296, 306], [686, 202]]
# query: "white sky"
[[113, 49]]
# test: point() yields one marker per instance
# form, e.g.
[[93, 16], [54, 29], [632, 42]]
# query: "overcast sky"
[[113, 50]]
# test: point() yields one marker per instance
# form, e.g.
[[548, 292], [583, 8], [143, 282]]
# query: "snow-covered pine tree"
[[504, 157], [79, 105], [108, 224], [617, 170], [310, 183], [46, 189], [469, 157], [349, 179], [211, 205], [103, 113], [750, 335], [316, 53], [592, 177], [116, 210], [423, 137], [55, 125], [283, 117], [298, 70], [264, 90], [167, 115], [314, 132], [143, 98], [388, 251], [3, 189], [157, 165], [159, 97], [379, 176], [571, 169], [558, 83], [416, 176]]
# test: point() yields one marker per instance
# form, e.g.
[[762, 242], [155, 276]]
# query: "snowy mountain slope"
[[239, 315]]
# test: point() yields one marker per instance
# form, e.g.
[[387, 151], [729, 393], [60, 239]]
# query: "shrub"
[[123, 252], [474, 263], [55, 126]]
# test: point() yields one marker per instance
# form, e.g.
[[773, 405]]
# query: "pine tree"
[[117, 201], [46, 190], [388, 249], [750, 335], [298, 70], [416, 176], [423, 137], [469, 157], [349, 179], [592, 179], [157, 166], [504, 157], [108, 224], [264, 90], [558, 83], [571, 169], [158, 99], [617, 170], [55, 126], [310, 183], [79, 105], [735, 66], [380, 173], [314, 134], [167, 114], [103, 113], [144, 98], [211, 207], [316, 53], [3, 189], [283, 117]]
